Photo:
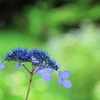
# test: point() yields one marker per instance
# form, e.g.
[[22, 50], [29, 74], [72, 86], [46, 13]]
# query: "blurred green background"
[[69, 30]]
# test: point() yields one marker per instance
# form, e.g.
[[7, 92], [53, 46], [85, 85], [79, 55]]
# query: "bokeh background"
[[69, 30]]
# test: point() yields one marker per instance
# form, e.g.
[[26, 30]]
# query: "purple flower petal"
[[60, 81], [60, 73], [2, 66], [66, 74], [40, 72], [49, 70], [46, 77], [67, 84]]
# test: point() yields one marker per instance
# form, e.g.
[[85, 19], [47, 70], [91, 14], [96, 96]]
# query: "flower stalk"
[[28, 91], [30, 81]]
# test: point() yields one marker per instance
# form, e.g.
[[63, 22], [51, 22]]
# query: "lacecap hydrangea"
[[41, 62]]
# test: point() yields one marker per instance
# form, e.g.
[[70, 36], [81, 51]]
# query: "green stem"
[[29, 87], [31, 73]]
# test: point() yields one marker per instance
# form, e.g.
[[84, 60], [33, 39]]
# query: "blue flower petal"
[[60, 81], [2, 66], [40, 72], [46, 77], [60, 73], [49, 70], [66, 74], [67, 84]]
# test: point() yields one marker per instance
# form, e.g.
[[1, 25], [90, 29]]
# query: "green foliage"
[[43, 21]]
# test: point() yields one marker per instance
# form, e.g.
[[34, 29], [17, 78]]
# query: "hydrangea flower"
[[62, 79], [41, 62]]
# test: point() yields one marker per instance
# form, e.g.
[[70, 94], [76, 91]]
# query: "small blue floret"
[[62, 79]]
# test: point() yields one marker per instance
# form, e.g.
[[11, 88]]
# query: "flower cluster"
[[36, 57], [41, 62]]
